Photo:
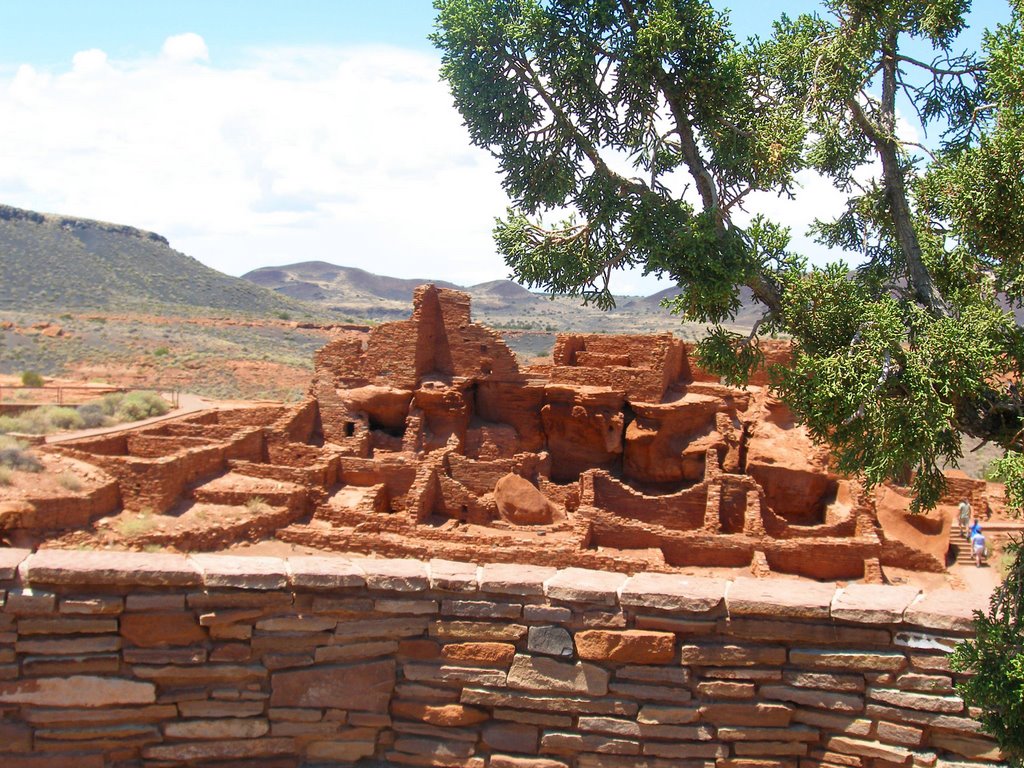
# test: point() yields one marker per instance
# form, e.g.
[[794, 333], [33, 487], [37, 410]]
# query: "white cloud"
[[185, 48], [354, 156]]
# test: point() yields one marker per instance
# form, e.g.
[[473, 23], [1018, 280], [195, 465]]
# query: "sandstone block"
[[419, 649], [155, 630], [953, 723], [944, 609], [655, 693], [862, 661], [653, 674], [538, 673], [477, 631], [452, 576], [100, 567], [550, 641], [342, 751], [914, 681], [441, 749], [312, 572], [507, 579], [723, 689], [297, 624], [489, 654], [240, 749], [10, 559], [825, 680], [549, 613], [30, 602], [778, 598], [873, 603], [871, 749], [906, 735], [542, 703], [673, 593], [533, 718], [62, 626], [100, 716], [764, 748], [810, 697], [922, 701], [105, 606], [556, 743], [229, 728], [972, 749], [242, 572], [582, 585], [653, 714], [362, 629], [844, 724], [69, 646], [207, 674], [77, 691], [686, 750], [508, 761], [631, 646], [792, 733], [155, 603], [815, 633], [731, 655], [511, 737], [221, 708], [364, 687], [760, 714], [481, 609], [443, 715], [454, 674], [395, 575]]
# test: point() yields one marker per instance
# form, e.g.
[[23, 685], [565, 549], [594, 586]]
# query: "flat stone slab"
[[242, 572], [585, 585], [10, 559], [945, 609], [314, 572], [873, 603], [77, 691], [669, 592], [362, 687], [395, 575], [780, 597], [509, 579], [149, 569], [452, 576]]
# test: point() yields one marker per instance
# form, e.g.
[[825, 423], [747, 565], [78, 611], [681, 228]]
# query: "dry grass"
[[69, 482], [141, 523]]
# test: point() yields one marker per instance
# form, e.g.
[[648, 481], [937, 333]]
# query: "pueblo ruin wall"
[[111, 658]]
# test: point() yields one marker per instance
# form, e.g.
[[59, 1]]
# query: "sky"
[[255, 133]]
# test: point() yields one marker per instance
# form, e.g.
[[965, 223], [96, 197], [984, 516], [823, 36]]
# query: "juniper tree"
[[630, 133]]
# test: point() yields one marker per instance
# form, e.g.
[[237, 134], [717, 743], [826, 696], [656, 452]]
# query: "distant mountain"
[[65, 262], [352, 290], [748, 313]]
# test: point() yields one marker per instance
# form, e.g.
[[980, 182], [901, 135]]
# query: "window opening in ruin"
[[387, 429], [350, 428]]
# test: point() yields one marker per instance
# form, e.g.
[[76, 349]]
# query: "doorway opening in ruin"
[[388, 429]]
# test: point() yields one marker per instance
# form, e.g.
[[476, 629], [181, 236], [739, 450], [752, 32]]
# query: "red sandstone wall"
[[125, 658]]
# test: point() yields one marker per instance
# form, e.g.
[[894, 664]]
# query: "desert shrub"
[[141, 405], [6, 476], [109, 403], [142, 523], [93, 415], [69, 482], [62, 418], [161, 351], [15, 456], [31, 379]]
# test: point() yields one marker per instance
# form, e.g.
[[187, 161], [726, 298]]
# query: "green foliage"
[[31, 379], [136, 406], [603, 113], [996, 658], [161, 352]]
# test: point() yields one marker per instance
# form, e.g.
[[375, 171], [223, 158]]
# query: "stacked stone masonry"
[[125, 659]]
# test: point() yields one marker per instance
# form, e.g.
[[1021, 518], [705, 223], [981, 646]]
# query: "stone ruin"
[[425, 438]]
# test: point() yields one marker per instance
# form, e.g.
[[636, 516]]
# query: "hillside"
[[65, 262], [501, 304]]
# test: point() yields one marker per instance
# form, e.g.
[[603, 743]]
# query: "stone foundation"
[[114, 658]]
